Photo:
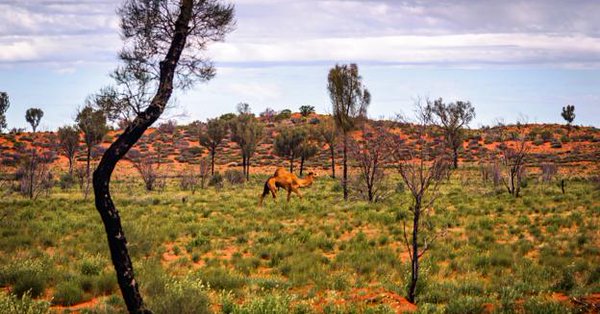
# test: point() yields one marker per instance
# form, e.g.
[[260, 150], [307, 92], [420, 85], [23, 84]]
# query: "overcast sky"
[[509, 58]]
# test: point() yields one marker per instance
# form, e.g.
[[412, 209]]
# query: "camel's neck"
[[306, 181]]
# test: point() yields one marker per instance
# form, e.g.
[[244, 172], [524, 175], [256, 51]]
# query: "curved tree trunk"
[[102, 175]]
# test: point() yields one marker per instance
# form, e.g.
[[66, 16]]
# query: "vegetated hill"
[[549, 143]]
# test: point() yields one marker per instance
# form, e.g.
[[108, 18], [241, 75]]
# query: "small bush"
[[181, 296], [234, 176], [221, 279], [25, 277], [66, 181], [68, 293], [270, 304], [90, 267], [106, 283], [11, 304], [216, 180], [566, 281]]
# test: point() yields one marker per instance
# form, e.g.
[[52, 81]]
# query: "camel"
[[289, 181]]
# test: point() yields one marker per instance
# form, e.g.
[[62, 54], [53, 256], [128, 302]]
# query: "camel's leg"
[[297, 191]]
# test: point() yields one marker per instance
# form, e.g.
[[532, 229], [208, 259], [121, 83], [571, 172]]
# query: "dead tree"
[[372, 154], [156, 34], [329, 134], [147, 167], [422, 171], [34, 172], [513, 159]]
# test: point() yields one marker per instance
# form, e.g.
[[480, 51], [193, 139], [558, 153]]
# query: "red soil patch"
[[590, 303], [77, 308], [370, 297]]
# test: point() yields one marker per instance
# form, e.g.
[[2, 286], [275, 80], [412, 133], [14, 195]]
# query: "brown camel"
[[289, 181]]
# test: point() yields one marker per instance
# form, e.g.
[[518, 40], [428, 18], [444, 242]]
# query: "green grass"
[[218, 250]]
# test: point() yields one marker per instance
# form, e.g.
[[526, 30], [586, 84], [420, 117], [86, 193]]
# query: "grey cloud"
[[296, 31], [377, 18]]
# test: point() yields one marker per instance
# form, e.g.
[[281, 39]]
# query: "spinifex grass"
[[218, 248]]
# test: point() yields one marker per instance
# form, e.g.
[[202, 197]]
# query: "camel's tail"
[[266, 191]]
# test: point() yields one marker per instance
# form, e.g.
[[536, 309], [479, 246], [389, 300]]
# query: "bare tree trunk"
[[243, 165], [86, 191], [70, 165], [32, 166], [212, 162], [455, 157], [102, 175], [301, 165], [415, 255], [292, 164], [332, 149], [247, 168], [345, 178]]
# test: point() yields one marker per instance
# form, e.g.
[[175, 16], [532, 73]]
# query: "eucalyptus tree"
[[306, 110], [308, 149], [4, 104], [164, 49], [92, 123], [212, 137], [350, 100], [246, 132], [287, 144], [452, 118], [68, 141], [568, 113], [33, 116]]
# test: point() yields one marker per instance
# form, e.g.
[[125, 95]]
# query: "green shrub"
[[106, 283], [66, 181], [269, 304], [234, 176], [67, 293], [11, 304], [29, 282], [28, 276], [566, 282], [221, 279], [185, 296], [91, 267], [216, 180]]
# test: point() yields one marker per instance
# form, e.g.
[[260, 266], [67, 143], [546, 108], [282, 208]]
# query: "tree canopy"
[[4, 104], [33, 116]]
